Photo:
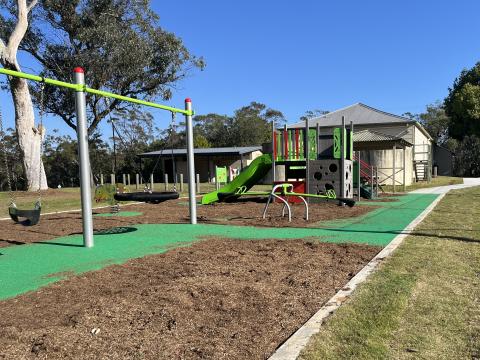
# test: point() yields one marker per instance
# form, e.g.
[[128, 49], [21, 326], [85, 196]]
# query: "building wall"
[[443, 160], [422, 145], [205, 165], [383, 159]]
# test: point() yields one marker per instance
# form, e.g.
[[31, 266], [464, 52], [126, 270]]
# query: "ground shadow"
[[12, 242], [415, 233], [56, 243], [116, 230]]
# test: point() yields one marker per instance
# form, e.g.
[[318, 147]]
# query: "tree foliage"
[[462, 104], [119, 43], [310, 114], [249, 125], [11, 150], [467, 157], [436, 122]]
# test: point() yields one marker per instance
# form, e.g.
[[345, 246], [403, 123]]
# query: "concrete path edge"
[[293, 346]]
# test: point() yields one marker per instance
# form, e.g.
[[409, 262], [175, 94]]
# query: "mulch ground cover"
[[246, 212], [215, 299]]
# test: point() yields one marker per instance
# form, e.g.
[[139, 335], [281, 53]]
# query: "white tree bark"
[[30, 138]]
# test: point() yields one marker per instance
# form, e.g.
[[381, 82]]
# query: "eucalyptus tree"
[[119, 43]]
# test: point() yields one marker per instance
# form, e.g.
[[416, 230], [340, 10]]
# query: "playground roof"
[[241, 150], [375, 140], [360, 114]]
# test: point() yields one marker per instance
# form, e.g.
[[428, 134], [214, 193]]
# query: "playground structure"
[[81, 90], [306, 166]]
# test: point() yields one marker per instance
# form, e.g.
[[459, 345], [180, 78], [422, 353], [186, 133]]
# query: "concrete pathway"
[[467, 182], [292, 347]]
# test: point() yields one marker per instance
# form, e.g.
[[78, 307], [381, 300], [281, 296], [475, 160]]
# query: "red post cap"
[[78, 70], [188, 100]]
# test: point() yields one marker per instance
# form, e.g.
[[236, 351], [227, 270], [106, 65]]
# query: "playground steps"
[[421, 170], [368, 186]]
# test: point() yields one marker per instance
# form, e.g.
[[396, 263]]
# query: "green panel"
[[356, 173], [312, 144], [337, 141], [221, 174]]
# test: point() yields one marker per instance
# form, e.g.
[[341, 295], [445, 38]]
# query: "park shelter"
[[205, 160]]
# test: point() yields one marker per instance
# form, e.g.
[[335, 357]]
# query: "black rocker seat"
[[30, 217], [148, 197]]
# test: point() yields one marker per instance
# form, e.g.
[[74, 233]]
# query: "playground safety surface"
[[173, 212], [218, 298], [223, 297]]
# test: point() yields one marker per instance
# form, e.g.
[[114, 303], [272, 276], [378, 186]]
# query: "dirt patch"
[[217, 299], [242, 213]]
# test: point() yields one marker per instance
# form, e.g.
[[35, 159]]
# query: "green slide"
[[247, 178]]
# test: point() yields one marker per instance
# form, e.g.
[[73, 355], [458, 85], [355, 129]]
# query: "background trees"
[[462, 104], [249, 125], [119, 43]]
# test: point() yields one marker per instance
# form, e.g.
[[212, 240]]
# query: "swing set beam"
[[80, 90], [86, 89]]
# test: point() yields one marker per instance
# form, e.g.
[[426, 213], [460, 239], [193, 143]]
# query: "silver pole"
[[342, 161], [137, 181], [101, 179], [198, 183], [394, 167], [181, 182], [165, 181], [359, 165], [112, 179], [404, 171], [191, 163], [151, 182], [124, 179], [84, 159]]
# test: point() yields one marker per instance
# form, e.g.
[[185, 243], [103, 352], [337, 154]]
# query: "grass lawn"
[[69, 198], [438, 181], [423, 302]]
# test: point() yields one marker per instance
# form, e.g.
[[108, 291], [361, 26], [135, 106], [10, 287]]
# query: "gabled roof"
[[370, 136], [360, 114], [241, 150]]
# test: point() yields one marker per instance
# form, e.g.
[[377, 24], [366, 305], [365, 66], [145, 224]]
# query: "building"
[[172, 161], [399, 147]]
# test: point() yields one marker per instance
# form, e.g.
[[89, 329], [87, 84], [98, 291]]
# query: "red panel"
[[298, 187]]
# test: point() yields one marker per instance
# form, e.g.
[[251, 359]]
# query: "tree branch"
[[20, 28], [3, 47], [31, 5]]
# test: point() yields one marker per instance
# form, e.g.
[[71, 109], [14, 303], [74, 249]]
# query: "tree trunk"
[[30, 138]]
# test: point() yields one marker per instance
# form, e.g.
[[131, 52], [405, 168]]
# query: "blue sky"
[[294, 56]]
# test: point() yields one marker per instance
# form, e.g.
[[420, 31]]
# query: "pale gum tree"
[[30, 136]]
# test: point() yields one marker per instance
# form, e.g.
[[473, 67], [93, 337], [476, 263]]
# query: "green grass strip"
[[424, 301], [28, 267]]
